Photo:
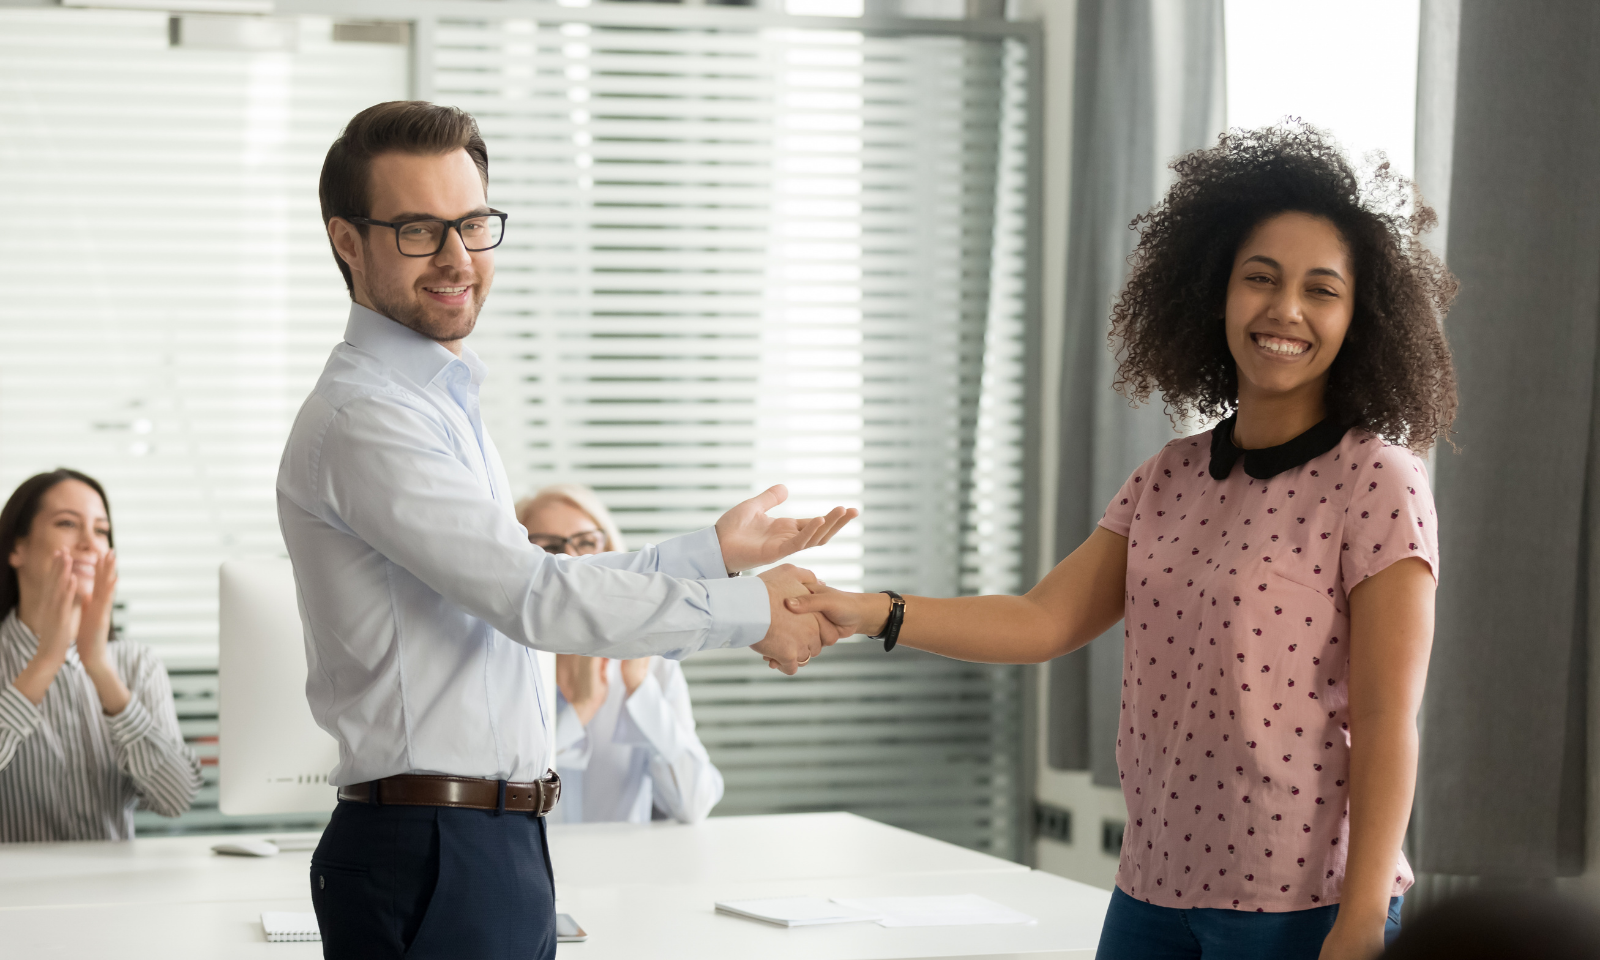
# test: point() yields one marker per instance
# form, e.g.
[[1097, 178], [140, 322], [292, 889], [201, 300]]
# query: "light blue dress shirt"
[[421, 597]]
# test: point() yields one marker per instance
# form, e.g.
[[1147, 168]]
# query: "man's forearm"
[[692, 556]]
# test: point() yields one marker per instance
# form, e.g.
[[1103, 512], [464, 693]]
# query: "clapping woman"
[[88, 730], [626, 747], [1275, 574]]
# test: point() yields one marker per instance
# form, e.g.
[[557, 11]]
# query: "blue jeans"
[[1135, 930]]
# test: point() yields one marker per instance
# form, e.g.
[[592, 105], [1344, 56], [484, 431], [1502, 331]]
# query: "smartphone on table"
[[568, 931]]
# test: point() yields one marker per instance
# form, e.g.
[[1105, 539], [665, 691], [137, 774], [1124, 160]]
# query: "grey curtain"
[[1148, 87], [1502, 781]]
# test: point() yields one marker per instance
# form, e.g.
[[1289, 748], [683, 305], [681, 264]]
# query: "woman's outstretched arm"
[[1079, 600]]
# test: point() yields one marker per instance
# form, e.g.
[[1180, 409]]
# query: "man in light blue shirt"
[[423, 600]]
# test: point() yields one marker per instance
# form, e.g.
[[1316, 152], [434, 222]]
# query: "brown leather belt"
[[418, 790]]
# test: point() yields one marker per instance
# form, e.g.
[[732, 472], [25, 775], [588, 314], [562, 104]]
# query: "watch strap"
[[891, 627]]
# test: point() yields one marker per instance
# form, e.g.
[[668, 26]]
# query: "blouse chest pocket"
[[1277, 655], [1262, 605], [1278, 573], [1297, 612]]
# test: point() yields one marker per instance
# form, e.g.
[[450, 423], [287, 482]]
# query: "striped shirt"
[[68, 771]]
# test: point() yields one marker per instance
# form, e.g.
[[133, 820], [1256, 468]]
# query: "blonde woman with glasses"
[[626, 747]]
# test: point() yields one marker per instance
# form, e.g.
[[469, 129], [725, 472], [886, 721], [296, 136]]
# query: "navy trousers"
[[433, 882], [1135, 930]]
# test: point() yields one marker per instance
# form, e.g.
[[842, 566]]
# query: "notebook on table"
[[282, 927]]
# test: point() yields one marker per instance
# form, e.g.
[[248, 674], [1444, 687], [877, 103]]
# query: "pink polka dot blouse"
[[1234, 747]]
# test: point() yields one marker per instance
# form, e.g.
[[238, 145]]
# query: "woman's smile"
[[1276, 346]]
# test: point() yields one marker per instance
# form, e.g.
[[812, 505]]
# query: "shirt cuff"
[[693, 556], [19, 713], [133, 723], [740, 613]]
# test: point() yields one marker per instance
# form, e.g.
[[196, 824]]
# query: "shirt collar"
[[419, 358], [1268, 462]]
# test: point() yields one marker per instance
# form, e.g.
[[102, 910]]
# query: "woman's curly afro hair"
[[1393, 374]]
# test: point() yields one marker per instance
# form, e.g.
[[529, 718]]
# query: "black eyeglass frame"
[[444, 236]]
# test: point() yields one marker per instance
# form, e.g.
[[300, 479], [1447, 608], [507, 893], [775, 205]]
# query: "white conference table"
[[640, 890]]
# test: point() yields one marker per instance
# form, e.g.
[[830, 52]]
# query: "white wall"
[[1355, 70]]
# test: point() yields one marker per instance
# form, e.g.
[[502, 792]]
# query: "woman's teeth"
[[1281, 346]]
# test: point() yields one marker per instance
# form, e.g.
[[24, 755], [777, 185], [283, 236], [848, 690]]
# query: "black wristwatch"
[[891, 627]]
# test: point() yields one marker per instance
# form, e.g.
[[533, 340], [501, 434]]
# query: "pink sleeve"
[[1391, 515], [1119, 513]]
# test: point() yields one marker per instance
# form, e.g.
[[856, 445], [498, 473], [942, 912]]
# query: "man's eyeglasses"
[[581, 544], [425, 238]]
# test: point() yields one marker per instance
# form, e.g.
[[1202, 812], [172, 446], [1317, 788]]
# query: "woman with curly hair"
[[1275, 574]]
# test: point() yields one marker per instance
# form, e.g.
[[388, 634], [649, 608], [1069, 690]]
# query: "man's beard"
[[410, 313]]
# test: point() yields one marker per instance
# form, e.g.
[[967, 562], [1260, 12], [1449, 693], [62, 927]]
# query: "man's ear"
[[347, 243]]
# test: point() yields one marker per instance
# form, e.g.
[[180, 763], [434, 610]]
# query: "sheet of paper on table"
[[961, 910], [796, 911]]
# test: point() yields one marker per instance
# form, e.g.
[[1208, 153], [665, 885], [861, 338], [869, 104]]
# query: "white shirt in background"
[[638, 752]]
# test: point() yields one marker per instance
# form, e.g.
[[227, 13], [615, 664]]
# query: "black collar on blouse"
[[1268, 462]]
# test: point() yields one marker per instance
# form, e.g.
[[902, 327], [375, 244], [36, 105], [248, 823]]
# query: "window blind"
[[170, 296], [737, 255], [741, 256]]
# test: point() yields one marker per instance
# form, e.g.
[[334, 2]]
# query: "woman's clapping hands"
[[94, 622], [57, 620], [582, 681]]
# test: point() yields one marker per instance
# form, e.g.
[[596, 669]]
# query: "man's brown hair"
[[399, 126]]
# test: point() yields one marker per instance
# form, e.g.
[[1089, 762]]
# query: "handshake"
[[807, 615], [797, 633]]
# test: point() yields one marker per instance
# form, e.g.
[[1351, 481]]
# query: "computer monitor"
[[273, 757]]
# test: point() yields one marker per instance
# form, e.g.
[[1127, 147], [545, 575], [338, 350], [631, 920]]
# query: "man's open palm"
[[750, 538]]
